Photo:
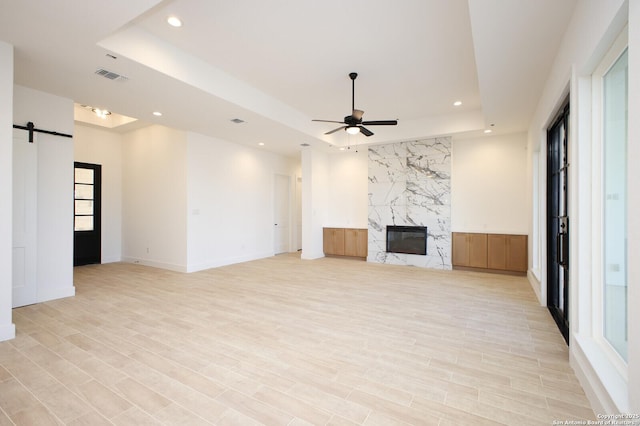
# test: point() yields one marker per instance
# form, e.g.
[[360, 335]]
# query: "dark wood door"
[[87, 217], [558, 221]]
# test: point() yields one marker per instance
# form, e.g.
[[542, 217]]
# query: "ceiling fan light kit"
[[353, 123]]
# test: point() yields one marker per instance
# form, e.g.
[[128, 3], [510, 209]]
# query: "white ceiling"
[[277, 64]]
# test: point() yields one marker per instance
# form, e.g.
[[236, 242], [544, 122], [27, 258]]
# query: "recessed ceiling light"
[[102, 113], [342, 148], [261, 143], [457, 103], [174, 21], [488, 131], [157, 113]]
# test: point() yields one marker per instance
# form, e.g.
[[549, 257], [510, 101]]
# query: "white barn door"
[[25, 197]]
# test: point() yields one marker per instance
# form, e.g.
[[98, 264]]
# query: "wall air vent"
[[111, 75]]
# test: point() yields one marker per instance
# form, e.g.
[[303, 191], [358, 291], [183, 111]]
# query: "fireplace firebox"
[[407, 239]]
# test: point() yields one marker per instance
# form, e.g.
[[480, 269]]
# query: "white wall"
[[348, 189], [315, 201], [489, 185], [231, 201], [7, 329], [154, 202], [55, 189], [97, 146]]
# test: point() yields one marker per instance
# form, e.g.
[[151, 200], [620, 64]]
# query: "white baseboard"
[[154, 264], [216, 263], [535, 285], [7, 332], [46, 294]]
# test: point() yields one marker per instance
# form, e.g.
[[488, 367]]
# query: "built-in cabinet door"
[[355, 242], [333, 241], [516, 253], [459, 249], [477, 250], [497, 251]]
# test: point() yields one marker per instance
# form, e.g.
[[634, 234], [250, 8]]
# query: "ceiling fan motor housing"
[[350, 120]]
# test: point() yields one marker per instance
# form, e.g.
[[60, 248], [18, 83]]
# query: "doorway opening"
[[87, 221]]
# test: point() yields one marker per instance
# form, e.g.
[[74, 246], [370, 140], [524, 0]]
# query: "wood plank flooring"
[[285, 341]]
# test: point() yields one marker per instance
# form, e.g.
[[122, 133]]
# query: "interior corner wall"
[[54, 188], [7, 328], [154, 201], [315, 201], [104, 147], [230, 210], [489, 185]]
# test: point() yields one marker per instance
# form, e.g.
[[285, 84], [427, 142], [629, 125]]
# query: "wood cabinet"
[[355, 242], [345, 242], [496, 252], [507, 252], [469, 250], [333, 241]]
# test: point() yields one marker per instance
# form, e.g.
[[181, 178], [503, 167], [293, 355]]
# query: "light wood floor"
[[284, 341]]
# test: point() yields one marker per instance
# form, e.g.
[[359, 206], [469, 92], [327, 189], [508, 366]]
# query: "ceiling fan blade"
[[365, 131], [357, 114], [335, 130], [330, 121], [381, 123]]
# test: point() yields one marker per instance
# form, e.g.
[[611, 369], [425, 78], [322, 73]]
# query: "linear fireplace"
[[407, 239]]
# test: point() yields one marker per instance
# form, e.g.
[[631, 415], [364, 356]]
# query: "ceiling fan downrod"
[[353, 76]]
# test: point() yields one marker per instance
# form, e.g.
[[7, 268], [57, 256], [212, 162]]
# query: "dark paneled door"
[[87, 218], [558, 221]]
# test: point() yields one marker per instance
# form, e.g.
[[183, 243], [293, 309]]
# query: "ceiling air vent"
[[111, 75]]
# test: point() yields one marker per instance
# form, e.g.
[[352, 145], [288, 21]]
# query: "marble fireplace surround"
[[410, 185]]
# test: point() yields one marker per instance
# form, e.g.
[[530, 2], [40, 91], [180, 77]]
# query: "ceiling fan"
[[353, 123]]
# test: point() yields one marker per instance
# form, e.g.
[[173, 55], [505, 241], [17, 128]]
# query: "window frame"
[[617, 49]]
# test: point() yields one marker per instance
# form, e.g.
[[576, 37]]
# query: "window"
[[614, 202], [83, 210]]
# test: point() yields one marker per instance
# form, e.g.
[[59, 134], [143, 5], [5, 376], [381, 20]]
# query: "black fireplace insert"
[[407, 239]]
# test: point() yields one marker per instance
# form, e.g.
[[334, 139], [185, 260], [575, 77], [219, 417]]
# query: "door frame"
[[276, 199], [558, 224]]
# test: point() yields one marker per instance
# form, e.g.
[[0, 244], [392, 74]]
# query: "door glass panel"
[[84, 176], [84, 192], [84, 207], [83, 223], [558, 285], [83, 203], [615, 204]]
